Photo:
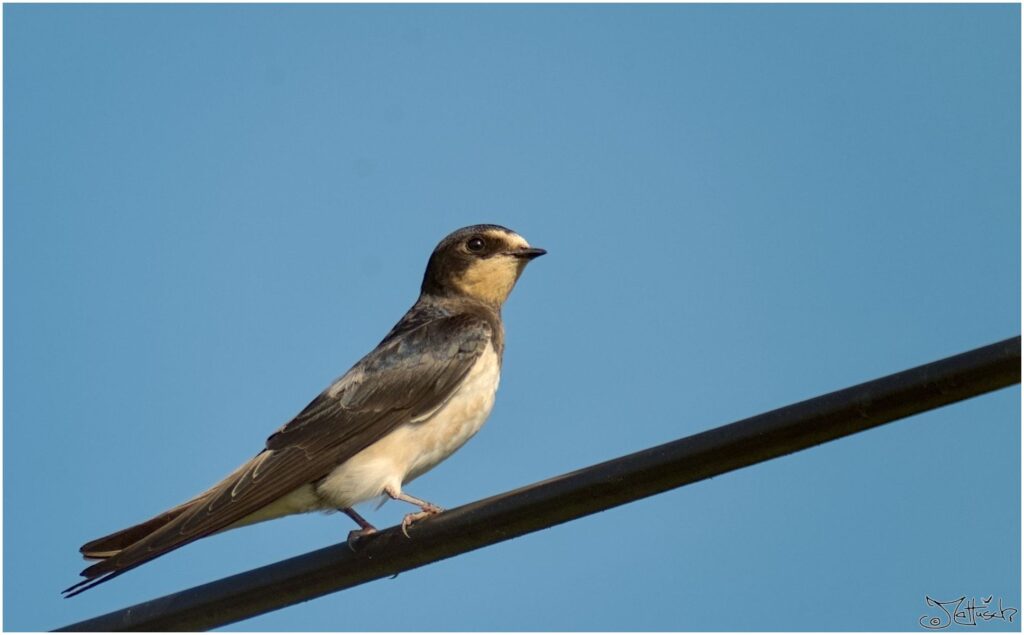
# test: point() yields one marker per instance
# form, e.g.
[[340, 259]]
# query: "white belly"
[[414, 448]]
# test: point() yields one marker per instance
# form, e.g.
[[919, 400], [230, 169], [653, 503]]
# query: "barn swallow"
[[416, 398]]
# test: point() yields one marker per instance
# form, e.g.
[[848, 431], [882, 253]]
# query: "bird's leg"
[[426, 509], [365, 528]]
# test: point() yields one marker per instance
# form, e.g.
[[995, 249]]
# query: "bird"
[[409, 404]]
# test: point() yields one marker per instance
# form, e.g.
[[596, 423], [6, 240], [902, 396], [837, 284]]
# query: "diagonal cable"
[[563, 498]]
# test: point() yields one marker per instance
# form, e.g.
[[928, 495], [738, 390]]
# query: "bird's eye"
[[475, 244]]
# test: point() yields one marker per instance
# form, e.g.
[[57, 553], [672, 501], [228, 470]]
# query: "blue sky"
[[210, 212]]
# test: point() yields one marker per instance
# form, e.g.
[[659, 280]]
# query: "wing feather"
[[410, 374]]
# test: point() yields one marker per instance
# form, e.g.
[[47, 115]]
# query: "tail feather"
[[89, 583], [111, 545], [124, 550], [106, 549]]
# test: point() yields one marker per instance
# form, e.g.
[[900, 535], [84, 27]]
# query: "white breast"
[[414, 448]]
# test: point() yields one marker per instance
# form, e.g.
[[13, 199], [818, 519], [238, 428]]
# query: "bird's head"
[[482, 262]]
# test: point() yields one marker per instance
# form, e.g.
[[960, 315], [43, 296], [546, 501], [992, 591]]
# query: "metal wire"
[[570, 496]]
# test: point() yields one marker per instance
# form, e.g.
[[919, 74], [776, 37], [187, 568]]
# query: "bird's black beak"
[[527, 253]]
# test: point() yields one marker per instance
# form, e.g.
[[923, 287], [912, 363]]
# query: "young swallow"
[[405, 407]]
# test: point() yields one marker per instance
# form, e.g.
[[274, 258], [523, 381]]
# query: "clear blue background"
[[212, 211]]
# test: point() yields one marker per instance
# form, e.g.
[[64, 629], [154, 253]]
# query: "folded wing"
[[411, 373]]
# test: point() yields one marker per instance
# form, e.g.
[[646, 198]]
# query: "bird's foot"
[[356, 534], [428, 509], [365, 528]]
